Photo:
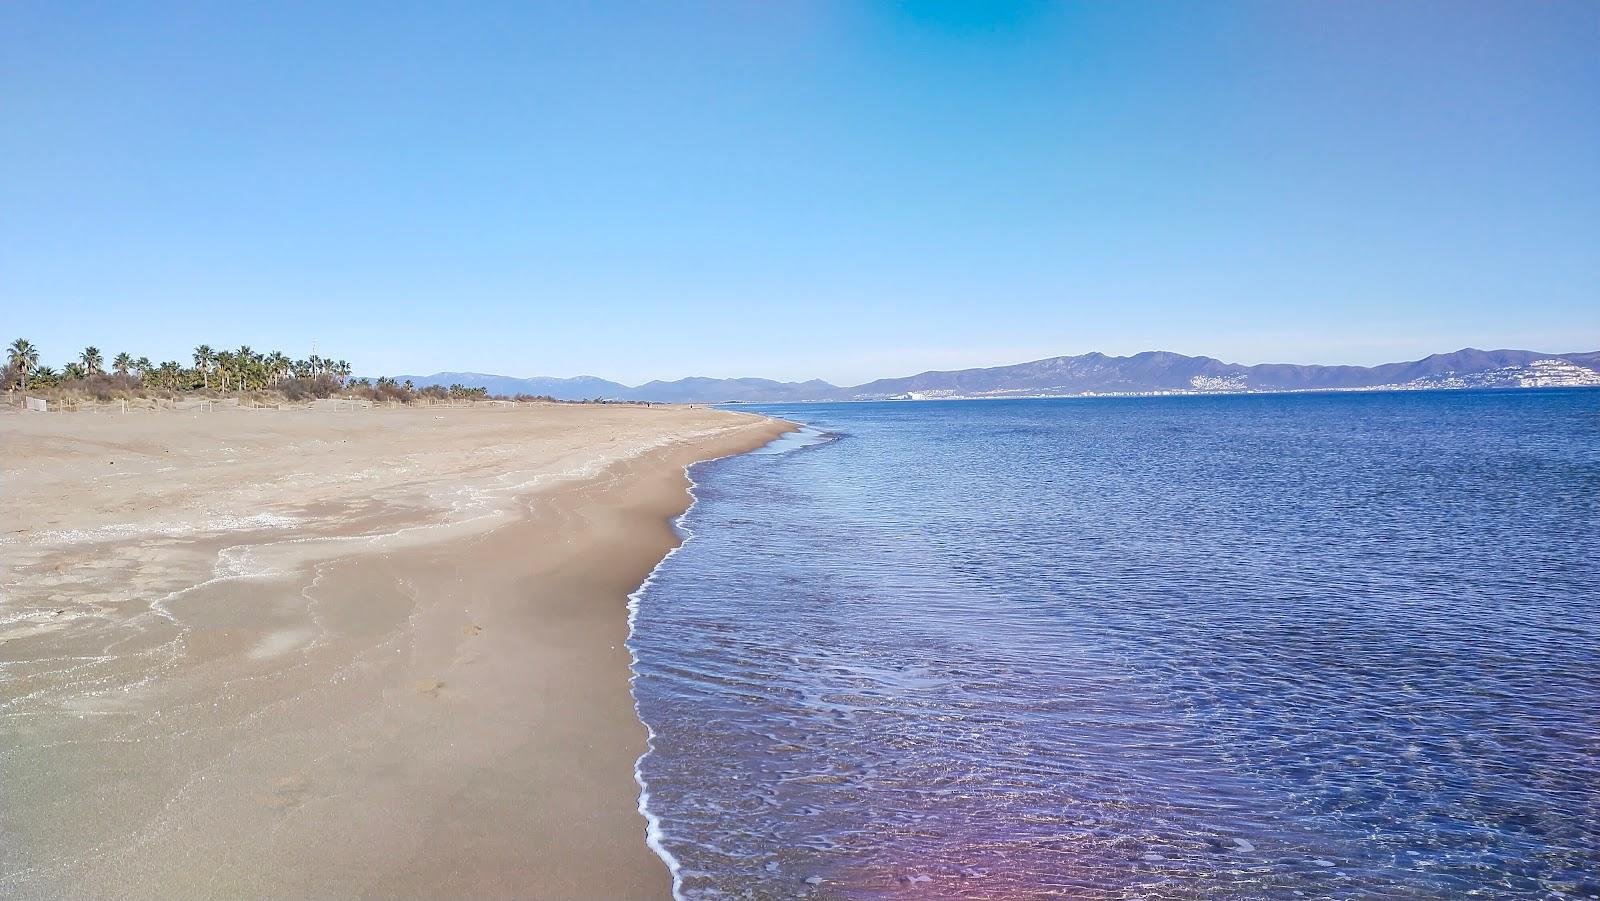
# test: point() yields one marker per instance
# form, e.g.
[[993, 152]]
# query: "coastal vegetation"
[[210, 373], [243, 369]]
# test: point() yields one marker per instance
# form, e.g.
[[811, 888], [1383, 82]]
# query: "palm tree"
[[243, 359], [91, 359], [74, 371], [204, 356], [122, 363], [277, 366], [342, 370], [224, 361], [23, 355], [45, 375]]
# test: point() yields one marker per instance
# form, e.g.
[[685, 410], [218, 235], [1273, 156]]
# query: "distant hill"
[[583, 387], [1160, 371], [587, 387], [1094, 373], [702, 390]]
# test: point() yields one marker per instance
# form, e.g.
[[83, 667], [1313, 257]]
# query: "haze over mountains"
[[1151, 372]]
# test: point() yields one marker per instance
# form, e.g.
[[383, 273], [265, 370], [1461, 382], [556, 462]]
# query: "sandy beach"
[[324, 654]]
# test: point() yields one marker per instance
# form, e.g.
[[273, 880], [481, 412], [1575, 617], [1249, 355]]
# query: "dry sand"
[[332, 654]]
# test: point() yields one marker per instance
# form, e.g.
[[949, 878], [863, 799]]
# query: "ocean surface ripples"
[[1323, 646]]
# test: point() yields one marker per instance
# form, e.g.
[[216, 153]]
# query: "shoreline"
[[451, 715], [655, 834]]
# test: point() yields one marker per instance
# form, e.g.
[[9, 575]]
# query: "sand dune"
[[318, 654]]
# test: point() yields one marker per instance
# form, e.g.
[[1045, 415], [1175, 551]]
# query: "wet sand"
[[332, 654]]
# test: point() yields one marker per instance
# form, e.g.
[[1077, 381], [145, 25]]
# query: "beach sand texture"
[[332, 654]]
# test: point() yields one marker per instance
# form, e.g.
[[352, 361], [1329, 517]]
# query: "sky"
[[797, 190]]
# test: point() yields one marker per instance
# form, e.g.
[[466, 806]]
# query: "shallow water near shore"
[[1323, 646]]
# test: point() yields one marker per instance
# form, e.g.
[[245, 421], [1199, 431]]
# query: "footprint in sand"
[[429, 687], [470, 630]]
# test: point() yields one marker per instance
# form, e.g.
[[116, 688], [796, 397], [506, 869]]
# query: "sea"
[[1339, 645]]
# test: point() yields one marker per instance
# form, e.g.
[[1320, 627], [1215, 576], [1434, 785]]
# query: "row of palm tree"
[[243, 369]]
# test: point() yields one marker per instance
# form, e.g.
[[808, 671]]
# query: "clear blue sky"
[[795, 190]]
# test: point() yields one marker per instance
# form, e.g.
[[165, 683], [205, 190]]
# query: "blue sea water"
[[1295, 646]]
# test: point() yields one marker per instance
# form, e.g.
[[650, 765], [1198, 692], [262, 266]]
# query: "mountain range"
[[1151, 372]]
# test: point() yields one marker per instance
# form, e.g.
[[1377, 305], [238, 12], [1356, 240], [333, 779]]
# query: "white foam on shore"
[[655, 833], [124, 531]]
